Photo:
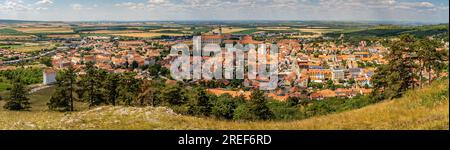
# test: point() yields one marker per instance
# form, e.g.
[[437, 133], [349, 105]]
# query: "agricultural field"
[[28, 47], [111, 31], [35, 30], [16, 37], [11, 34], [318, 30], [391, 30], [164, 29], [227, 30], [147, 34], [63, 36], [7, 31]]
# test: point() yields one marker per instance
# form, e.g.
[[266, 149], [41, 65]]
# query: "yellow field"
[[28, 49], [306, 36], [317, 30], [31, 47], [64, 36], [159, 30], [274, 28], [227, 30], [15, 37], [45, 30], [147, 34], [423, 109], [113, 31]]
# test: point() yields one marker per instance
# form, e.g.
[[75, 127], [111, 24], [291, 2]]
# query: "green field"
[[28, 48], [427, 108], [10, 32], [389, 31]]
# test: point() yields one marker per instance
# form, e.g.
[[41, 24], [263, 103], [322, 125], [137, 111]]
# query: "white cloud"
[[21, 6], [76, 6], [14, 5], [425, 4], [44, 2], [157, 2], [131, 5], [419, 10]]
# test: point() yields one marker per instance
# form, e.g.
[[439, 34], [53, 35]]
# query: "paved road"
[[38, 88]]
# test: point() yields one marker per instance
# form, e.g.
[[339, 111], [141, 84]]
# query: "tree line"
[[411, 63]]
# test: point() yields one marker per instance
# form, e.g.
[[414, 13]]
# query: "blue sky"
[[127, 10]]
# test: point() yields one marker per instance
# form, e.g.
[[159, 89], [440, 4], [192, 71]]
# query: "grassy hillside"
[[427, 108]]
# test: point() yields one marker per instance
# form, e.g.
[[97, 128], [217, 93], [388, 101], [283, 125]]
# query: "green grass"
[[4, 84], [10, 32], [39, 100], [11, 46], [250, 31], [427, 108]]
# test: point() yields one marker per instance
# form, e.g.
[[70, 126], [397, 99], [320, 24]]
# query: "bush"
[[13, 106], [285, 111], [258, 106], [293, 101], [199, 103], [242, 112], [224, 107]]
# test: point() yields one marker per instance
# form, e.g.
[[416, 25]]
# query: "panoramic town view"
[[111, 64]]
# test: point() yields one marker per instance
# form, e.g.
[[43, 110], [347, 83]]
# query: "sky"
[[432, 11]]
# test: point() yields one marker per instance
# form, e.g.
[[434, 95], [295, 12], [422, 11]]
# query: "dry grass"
[[147, 34], [274, 28], [16, 37], [33, 47], [64, 36], [112, 31], [227, 30], [318, 30], [164, 29], [427, 108], [45, 30]]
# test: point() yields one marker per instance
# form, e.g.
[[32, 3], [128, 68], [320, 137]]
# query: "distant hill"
[[383, 31], [426, 108], [5, 21]]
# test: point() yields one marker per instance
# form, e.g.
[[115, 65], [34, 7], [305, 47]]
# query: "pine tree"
[[200, 104], [399, 74], [258, 105], [430, 59], [112, 84], [18, 99], [93, 85], [128, 87], [63, 98], [173, 95]]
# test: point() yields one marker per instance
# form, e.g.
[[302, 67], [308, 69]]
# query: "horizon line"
[[236, 20]]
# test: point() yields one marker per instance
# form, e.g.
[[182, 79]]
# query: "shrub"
[[13, 106], [242, 112], [224, 107]]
